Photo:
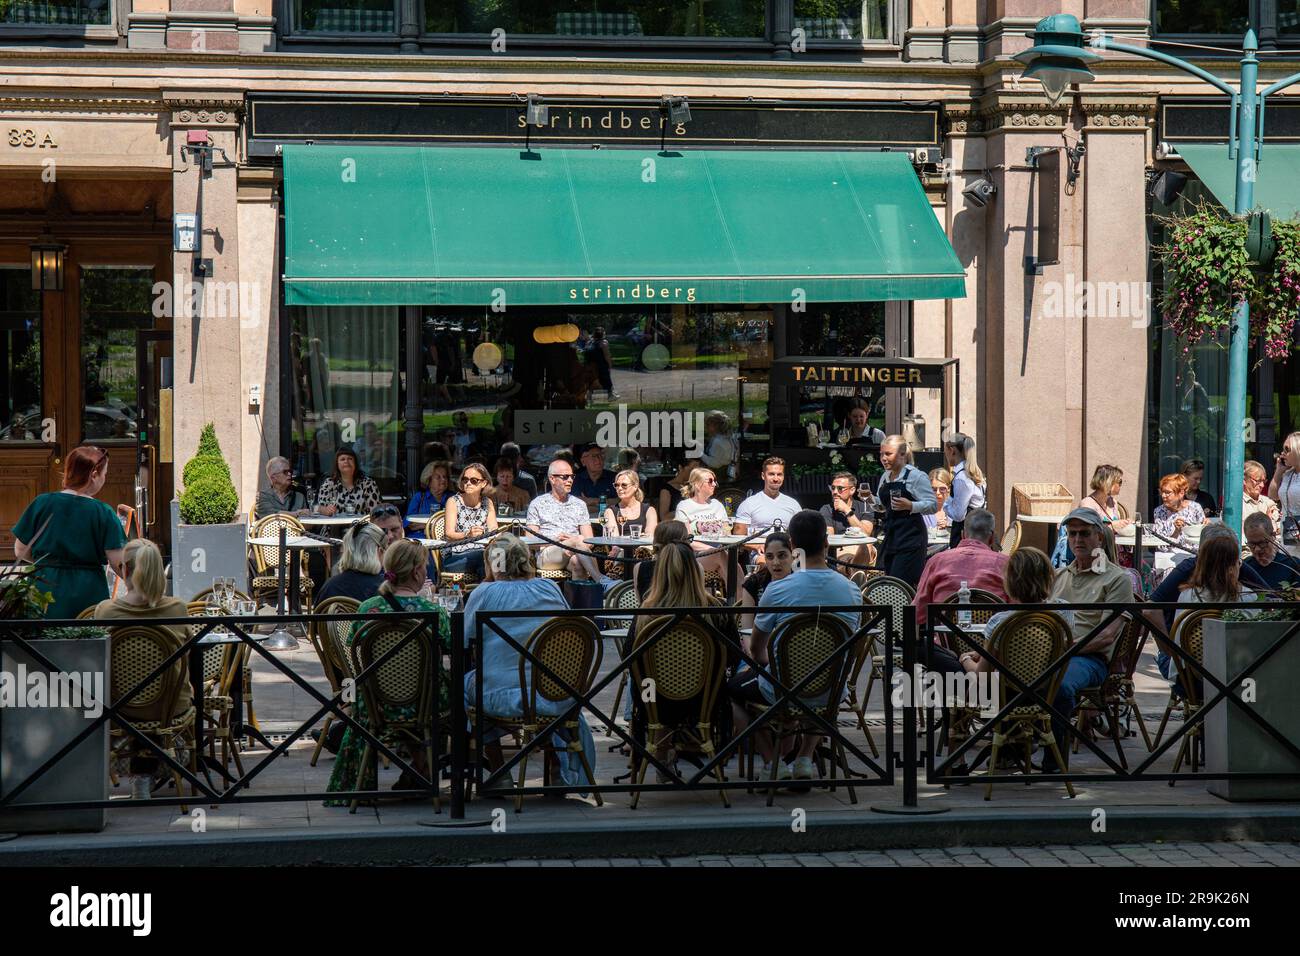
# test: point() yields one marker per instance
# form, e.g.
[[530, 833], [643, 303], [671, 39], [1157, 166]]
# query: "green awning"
[[1277, 175], [480, 226]]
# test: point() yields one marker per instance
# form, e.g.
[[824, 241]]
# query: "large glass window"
[[55, 12], [600, 18], [842, 19], [1202, 16], [1288, 16], [116, 303], [346, 390], [20, 355], [345, 16]]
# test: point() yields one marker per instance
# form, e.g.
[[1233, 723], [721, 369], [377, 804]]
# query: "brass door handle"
[[153, 486]]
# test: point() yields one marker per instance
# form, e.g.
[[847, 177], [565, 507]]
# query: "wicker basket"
[[1041, 498]]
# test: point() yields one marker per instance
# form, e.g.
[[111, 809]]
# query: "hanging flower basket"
[[1206, 271]]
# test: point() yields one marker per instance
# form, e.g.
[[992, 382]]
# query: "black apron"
[[904, 531]]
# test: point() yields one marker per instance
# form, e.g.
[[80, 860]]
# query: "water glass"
[[634, 531]]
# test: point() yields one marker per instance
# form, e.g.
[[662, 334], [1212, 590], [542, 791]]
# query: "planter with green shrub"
[[209, 535]]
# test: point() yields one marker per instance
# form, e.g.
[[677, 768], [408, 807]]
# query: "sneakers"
[[783, 772], [803, 768], [141, 787]]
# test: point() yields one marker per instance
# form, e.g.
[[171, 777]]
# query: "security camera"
[[980, 192], [1080, 149]]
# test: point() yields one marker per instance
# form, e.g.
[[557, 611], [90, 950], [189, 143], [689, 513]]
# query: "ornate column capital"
[[1118, 112]]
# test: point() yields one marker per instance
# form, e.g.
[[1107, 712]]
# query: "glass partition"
[[20, 355]]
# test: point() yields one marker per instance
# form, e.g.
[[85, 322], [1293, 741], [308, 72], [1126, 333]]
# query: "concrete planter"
[[30, 736], [1234, 742], [201, 552]]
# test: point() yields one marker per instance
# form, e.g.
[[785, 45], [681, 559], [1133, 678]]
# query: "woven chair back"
[[1027, 643], [570, 648], [135, 651]]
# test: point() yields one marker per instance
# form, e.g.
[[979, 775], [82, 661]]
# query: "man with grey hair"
[[281, 496], [973, 561], [563, 516]]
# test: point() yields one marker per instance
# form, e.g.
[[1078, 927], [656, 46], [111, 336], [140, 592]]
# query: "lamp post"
[[1058, 58]]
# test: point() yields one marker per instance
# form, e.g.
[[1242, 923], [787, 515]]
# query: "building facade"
[[148, 142]]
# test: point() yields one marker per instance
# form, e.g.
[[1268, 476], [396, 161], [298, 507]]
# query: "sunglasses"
[[385, 511], [709, 481], [562, 477], [473, 481]]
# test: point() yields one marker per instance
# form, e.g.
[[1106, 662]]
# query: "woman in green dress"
[[70, 536], [405, 588]]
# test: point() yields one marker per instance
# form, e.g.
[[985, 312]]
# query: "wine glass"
[[842, 436], [864, 491]]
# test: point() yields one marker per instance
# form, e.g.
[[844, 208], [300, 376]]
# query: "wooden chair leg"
[[1141, 722], [315, 755], [361, 775], [1160, 731], [576, 747], [993, 768], [523, 772], [1112, 715], [1056, 752], [638, 775]]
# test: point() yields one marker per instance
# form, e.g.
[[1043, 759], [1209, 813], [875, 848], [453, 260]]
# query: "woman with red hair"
[[70, 536], [1175, 511]]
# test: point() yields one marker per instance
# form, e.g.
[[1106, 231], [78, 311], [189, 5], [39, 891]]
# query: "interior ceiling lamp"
[[556, 334], [1058, 56], [47, 264]]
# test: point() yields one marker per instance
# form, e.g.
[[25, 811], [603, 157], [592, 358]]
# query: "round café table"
[[328, 521], [291, 544]]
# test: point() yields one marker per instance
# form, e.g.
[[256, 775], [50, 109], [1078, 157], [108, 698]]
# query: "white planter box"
[[1234, 742], [201, 552], [30, 736]]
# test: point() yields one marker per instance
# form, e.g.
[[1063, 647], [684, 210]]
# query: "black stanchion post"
[[910, 766], [459, 720]]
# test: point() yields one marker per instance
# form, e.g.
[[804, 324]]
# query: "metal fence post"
[[459, 721], [910, 767]]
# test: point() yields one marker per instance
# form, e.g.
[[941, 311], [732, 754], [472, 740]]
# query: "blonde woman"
[[360, 568], [631, 508], [905, 499], [470, 514], [405, 588], [1284, 488], [968, 485], [1103, 491], [704, 514], [434, 491]]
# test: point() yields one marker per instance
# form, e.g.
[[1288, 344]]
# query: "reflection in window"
[[600, 18], [346, 16], [1288, 16], [20, 355], [842, 19], [850, 329], [346, 391], [115, 304], [55, 12], [1202, 16]]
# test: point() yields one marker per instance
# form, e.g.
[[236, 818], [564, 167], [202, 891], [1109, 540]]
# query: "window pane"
[[346, 16], [1202, 16], [600, 18], [842, 19], [1288, 16], [346, 391], [849, 329], [66, 12], [115, 304], [20, 355]]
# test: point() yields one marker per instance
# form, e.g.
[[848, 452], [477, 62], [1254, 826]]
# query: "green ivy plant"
[[1207, 270], [209, 496]]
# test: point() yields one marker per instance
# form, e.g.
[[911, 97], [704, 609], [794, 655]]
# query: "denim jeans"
[[1086, 670], [471, 561]]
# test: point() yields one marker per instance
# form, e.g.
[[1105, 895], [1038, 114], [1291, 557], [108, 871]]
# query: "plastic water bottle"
[[600, 509], [963, 604]]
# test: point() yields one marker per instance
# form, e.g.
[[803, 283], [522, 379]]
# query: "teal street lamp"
[[1059, 58]]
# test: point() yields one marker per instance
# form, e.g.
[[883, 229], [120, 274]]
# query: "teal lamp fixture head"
[[1058, 56]]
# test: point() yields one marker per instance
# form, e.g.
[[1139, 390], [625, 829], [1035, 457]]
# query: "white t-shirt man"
[[759, 511]]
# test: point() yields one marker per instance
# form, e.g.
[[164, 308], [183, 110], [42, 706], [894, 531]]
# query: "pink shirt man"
[[971, 561]]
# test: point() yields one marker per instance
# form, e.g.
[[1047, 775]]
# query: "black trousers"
[[905, 564]]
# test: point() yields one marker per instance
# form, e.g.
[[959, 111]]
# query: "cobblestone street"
[[1125, 854]]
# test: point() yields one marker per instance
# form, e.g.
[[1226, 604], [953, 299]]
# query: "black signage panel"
[[577, 122], [1208, 121], [846, 370]]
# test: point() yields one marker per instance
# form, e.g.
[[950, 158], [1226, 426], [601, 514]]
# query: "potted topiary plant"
[[41, 712], [208, 534]]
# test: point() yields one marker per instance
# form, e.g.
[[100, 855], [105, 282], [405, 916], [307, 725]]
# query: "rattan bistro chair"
[[1027, 643], [435, 529], [266, 558], [572, 650], [621, 597], [1189, 634], [898, 595], [332, 662], [687, 665], [1116, 691], [135, 651], [1011, 538], [799, 644], [222, 665], [405, 680]]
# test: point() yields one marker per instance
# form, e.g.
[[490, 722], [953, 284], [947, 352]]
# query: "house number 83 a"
[[28, 138]]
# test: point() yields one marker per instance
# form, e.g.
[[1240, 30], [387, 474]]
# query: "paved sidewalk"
[[1125, 854]]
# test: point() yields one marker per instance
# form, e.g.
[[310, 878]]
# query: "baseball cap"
[[1086, 515]]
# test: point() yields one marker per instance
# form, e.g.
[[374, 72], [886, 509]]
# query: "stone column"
[[207, 311], [967, 226], [259, 261], [1119, 313]]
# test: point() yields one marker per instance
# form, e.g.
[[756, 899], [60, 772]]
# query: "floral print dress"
[[348, 762], [357, 500]]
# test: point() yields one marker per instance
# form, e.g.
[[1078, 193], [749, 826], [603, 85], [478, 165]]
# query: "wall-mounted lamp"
[[980, 192], [47, 264], [538, 113], [673, 111]]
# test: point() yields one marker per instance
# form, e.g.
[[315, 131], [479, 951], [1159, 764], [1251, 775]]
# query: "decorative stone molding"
[[961, 44], [1129, 114], [1023, 115], [924, 43], [80, 104], [963, 119]]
